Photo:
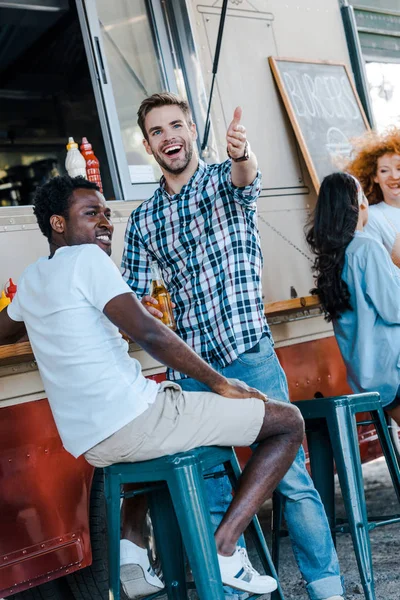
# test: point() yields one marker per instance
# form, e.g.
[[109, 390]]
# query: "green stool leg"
[[188, 495], [322, 470], [344, 439], [277, 512], [112, 489], [387, 448], [170, 550]]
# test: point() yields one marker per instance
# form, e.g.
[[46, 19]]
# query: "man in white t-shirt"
[[73, 304]]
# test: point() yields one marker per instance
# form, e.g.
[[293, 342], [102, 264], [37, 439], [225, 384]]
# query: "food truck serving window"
[[79, 68]]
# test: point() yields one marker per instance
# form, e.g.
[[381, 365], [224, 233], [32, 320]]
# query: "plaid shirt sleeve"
[[136, 262], [246, 196]]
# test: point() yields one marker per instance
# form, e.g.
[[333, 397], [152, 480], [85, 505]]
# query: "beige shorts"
[[178, 421]]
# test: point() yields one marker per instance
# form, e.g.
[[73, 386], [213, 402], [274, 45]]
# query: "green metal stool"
[[331, 430], [179, 510]]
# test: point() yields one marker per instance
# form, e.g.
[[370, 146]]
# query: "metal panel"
[[385, 6], [44, 500], [378, 25], [380, 47], [43, 5]]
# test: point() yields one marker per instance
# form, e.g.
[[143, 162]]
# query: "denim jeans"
[[304, 512]]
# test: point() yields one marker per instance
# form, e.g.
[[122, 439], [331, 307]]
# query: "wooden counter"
[[286, 307], [16, 353], [22, 352]]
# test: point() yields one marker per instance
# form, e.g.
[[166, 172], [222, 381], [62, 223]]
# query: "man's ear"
[[57, 223], [193, 131], [147, 146]]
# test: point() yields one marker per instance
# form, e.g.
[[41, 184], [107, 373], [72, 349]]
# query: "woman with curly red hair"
[[377, 166]]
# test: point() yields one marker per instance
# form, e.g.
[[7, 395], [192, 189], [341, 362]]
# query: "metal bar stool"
[[331, 430], [179, 511]]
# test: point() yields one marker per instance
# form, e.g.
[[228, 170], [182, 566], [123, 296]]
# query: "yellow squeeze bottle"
[[4, 301]]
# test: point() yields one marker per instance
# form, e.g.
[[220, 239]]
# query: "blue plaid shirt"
[[207, 244]]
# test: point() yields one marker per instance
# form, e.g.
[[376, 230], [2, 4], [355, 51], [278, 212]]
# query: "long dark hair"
[[331, 229]]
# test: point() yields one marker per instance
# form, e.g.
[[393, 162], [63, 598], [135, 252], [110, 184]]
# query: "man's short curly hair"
[[53, 198], [364, 165]]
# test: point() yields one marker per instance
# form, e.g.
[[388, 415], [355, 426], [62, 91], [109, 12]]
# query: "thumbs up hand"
[[236, 136]]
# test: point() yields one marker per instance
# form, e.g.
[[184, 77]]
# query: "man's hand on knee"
[[234, 388]]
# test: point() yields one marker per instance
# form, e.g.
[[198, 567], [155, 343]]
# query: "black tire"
[[91, 583], [53, 590]]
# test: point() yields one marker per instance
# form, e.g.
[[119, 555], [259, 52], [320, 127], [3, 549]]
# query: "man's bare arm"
[[10, 331], [127, 313]]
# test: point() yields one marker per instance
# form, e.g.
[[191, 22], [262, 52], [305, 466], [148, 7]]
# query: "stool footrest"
[[143, 490], [217, 474]]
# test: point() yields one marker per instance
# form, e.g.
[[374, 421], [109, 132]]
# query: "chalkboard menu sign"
[[324, 109]]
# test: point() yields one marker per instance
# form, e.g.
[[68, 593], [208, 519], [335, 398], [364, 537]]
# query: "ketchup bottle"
[[11, 289], [92, 163]]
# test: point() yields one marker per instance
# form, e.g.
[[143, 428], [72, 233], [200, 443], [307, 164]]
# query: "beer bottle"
[[160, 293]]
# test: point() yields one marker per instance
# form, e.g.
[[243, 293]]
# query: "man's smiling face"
[[170, 138], [89, 220]]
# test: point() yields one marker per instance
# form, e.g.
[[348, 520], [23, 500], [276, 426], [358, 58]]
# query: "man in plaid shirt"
[[201, 228]]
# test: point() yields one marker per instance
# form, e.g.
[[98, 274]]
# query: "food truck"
[[80, 68]]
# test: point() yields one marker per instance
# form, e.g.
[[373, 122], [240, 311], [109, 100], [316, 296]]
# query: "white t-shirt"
[[93, 386], [383, 224]]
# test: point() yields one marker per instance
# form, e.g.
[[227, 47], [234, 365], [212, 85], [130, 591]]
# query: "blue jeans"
[[304, 512]]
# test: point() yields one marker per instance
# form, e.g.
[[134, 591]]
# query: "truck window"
[[46, 95]]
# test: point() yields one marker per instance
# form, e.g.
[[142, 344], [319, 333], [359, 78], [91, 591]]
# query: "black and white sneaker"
[[137, 576], [238, 572]]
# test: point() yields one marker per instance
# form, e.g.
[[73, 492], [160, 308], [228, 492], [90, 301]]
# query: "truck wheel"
[[91, 583], [53, 590]]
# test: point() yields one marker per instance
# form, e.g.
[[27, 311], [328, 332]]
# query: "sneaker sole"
[[134, 582], [269, 586]]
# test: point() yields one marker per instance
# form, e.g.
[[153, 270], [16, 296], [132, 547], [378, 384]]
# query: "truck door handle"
[[100, 59]]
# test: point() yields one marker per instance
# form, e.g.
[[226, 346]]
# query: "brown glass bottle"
[[160, 293]]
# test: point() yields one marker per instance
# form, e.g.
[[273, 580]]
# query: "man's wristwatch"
[[245, 156]]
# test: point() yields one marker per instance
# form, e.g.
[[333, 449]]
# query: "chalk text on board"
[[320, 97]]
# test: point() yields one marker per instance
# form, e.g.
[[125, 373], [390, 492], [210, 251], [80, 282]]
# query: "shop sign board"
[[324, 109]]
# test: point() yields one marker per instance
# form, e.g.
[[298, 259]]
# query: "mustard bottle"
[[4, 301]]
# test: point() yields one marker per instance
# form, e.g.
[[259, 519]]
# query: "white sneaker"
[[335, 598], [237, 572], [137, 576]]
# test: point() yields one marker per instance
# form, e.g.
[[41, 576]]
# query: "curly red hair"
[[364, 165]]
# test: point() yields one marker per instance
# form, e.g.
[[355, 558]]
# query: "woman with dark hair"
[[359, 288]]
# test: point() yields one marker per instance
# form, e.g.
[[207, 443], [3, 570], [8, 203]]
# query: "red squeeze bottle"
[[92, 163], [11, 289]]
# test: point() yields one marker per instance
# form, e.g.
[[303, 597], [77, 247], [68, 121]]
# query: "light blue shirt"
[[369, 335]]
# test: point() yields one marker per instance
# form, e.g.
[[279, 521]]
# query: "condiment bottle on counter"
[[4, 300], [11, 289], [161, 294], [92, 163], [75, 164]]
